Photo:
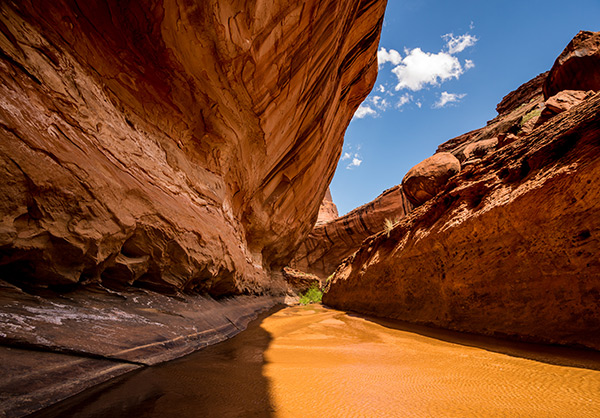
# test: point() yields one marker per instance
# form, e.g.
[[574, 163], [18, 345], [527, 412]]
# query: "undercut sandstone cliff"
[[172, 145], [155, 155]]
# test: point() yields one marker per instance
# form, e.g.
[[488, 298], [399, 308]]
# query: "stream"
[[312, 361]]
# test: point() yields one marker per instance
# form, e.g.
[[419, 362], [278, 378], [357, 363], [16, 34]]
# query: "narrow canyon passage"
[[318, 362]]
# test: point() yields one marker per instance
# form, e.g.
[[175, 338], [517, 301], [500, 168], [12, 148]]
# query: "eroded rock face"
[[509, 248], [564, 100], [577, 67], [512, 250], [328, 244], [182, 145], [299, 280], [514, 120], [429, 177]]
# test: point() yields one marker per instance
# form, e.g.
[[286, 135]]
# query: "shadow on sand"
[[224, 380], [545, 353]]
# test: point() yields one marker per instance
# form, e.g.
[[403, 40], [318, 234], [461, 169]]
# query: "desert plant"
[[388, 225], [312, 295], [534, 113]]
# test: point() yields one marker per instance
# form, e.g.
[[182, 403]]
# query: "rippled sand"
[[326, 363], [317, 362]]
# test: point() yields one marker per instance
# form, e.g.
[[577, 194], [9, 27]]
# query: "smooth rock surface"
[[328, 210], [429, 177], [174, 145], [328, 244], [63, 343]]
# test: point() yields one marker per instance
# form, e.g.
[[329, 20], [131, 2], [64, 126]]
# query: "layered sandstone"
[[508, 248], [181, 147], [328, 244], [514, 108], [176, 145], [85, 337]]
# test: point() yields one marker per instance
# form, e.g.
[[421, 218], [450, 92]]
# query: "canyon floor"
[[314, 361]]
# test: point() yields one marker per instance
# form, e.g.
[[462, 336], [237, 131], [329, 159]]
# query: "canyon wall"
[[172, 145], [328, 244], [509, 247], [160, 163]]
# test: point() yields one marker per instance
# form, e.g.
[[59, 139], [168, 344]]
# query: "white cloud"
[[346, 156], [384, 56], [459, 43], [420, 68], [379, 102], [446, 98], [419, 104], [469, 64], [381, 88], [356, 161], [472, 25], [404, 99], [363, 111]]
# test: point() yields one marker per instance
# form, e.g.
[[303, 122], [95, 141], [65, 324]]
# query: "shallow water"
[[318, 362]]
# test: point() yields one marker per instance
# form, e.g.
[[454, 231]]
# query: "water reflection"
[[318, 362]]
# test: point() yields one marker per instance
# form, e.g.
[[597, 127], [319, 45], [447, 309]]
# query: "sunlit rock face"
[[429, 177], [577, 67], [328, 210], [511, 246], [328, 244], [182, 145]]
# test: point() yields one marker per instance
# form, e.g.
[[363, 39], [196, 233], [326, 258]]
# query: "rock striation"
[[172, 145], [509, 248], [85, 337], [160, 164], [328, 244]]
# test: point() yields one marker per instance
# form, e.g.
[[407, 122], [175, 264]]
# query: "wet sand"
[[318, 362]]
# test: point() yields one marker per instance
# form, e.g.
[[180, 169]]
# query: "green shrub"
[[529, 116], [312, 295]]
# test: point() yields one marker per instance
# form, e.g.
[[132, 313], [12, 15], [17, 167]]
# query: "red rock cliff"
[[328, 244], [328, 210], [510, 246], [172, 144]]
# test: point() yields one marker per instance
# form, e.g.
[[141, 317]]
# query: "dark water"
[[318, 362]]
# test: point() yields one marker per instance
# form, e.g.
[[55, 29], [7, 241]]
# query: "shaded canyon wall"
[[172, 145]]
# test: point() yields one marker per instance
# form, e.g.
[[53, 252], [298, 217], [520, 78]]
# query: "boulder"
[[300, 281], [564, 100], [429, 177], [480, 149], [577, 67]]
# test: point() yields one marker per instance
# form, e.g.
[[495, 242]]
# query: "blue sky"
[[445, 66]]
